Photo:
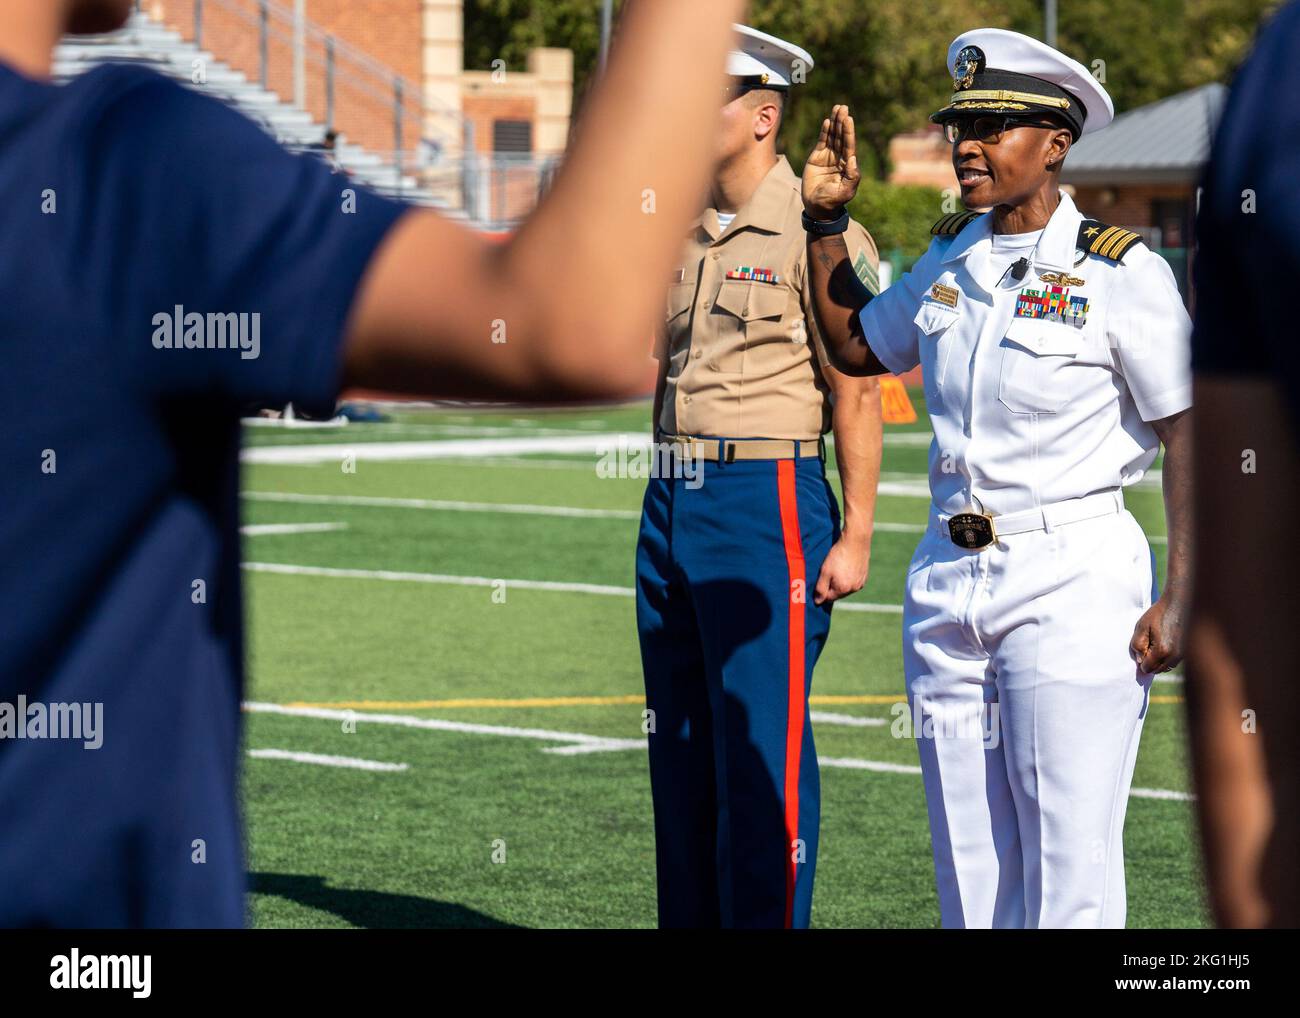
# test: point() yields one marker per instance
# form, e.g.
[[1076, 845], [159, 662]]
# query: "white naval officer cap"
[[996, 71], [764, 61]]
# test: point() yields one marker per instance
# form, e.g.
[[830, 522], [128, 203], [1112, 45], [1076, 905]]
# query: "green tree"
[[886, 58]]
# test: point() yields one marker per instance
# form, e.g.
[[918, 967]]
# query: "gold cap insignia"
[[970, 61]]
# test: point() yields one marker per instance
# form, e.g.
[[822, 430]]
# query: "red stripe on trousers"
[[789, 502]]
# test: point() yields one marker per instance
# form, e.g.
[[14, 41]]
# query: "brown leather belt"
[[729, 450]]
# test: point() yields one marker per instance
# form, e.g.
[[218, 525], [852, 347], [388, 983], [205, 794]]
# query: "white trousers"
[[1028, 707]]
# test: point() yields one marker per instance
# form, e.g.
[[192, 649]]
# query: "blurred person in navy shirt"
[[165, 263], [1242, 678]]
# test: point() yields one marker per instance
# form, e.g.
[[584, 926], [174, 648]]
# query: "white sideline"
[[326, 760], [555, 586], [580, 743]]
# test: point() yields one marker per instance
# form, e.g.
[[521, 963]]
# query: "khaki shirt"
[[745, 356]]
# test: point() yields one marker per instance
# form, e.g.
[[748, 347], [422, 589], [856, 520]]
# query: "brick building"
[[390, 75], [1142, 171]]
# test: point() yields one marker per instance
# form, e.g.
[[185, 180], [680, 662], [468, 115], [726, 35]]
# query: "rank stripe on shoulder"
[[1109, 242], [953, 223], [866, 273]]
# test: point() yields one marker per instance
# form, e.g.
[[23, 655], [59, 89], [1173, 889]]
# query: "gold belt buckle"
[[971, 530]]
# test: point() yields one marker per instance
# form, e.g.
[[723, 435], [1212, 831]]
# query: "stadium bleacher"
[[148, 42]]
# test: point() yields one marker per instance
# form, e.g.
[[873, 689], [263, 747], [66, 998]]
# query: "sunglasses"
[[988, 129]]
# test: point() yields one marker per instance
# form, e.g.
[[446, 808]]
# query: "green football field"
[[444, 702]]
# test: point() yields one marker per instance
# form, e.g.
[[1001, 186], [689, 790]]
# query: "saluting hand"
[[830, 176]]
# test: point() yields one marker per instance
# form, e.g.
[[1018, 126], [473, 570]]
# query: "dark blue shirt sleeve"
[[1248, 230], [232, 264]]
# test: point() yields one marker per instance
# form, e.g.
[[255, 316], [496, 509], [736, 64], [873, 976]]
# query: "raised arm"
[[565, 309], [830, 180]]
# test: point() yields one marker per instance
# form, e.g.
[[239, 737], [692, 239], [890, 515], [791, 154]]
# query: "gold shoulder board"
[[1109, 242], [953, 223]]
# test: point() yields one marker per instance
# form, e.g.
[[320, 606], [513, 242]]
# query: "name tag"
[[944, 294]]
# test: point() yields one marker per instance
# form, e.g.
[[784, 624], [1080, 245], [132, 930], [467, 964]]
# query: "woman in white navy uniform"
[[1055, 355]]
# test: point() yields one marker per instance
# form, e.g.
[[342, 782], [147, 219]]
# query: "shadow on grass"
[[373, 909]]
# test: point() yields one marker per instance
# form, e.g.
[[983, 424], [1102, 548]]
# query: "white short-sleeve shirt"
[[1039, 390]]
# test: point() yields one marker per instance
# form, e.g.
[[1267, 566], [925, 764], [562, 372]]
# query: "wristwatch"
[[827, 227]]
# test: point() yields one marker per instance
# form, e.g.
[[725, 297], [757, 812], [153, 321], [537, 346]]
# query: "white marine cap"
[[996, 71], [764, 61]]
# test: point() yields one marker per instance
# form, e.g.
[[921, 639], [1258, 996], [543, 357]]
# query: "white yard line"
[[324, 760], [433, 724], [443, 505], [850, 763], [578, 743], [447, 579], [512, 508], [604, 746], [438, 578], [509, 508], [620, 443], [449, 505], [261, 529], [1161, 793], [394, 451], [825, 717]]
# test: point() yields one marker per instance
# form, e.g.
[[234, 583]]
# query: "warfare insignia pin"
[[944, 294], [1062, 278]]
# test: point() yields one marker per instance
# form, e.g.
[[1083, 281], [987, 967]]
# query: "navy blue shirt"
[[1248, 231], [134, 209]]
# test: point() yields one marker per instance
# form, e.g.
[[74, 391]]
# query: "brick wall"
[[1127, 205], [922, 157], [387, 30], [483, 105]]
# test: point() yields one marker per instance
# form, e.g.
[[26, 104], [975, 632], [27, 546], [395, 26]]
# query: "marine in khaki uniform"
[[742, 555]]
